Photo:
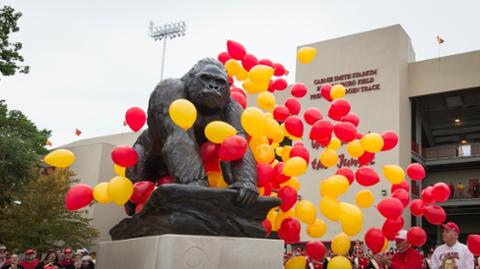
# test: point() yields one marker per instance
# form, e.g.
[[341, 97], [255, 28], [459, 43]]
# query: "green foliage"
[[41, 221], [10, 57]]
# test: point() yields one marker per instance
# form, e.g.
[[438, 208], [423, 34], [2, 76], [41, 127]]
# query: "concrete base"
[[190, 252]]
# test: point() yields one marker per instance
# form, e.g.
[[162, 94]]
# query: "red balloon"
[[240, 91], [374, 239], [233, 148], [359, 136], [345, 131], [266, 62], [280, 113], [312, 115], [278, 174], [294, 126], [402, 196], [338, 109], [236, 50], [366, 176], [322, 129], [298, 90], [352, 118], [404, 185], [212, 166], [434, 214], [416, 236], [249, 61], [241, 100], [164, 180], [415, 171], [427, 196], [289, 196], [124, 156], [279, 84], [139, 208], [416, 207], [390, 208], [346, 172], [293, 106], [390, 140], [316, 250], [135, 118], [366, 158], [279, 70], [300, 151], [267, 189], [78, 196], [209, 151], [265, 174], [141, 191], [440, 192], [473, 243], [268, 227], [223, 57], [325, 91], [290, 230], [391, 227]]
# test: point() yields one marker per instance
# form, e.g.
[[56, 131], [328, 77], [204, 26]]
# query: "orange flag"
[[78, 132]]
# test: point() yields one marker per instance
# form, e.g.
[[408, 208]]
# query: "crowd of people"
[[52, 259], [450, 255]]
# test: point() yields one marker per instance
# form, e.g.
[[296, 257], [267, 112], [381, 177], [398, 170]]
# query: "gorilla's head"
[[207, 85]]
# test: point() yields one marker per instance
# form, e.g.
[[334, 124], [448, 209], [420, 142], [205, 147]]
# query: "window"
[[464, 150]]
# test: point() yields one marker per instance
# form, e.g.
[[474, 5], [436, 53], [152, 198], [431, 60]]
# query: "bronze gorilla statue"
[[166, 149]]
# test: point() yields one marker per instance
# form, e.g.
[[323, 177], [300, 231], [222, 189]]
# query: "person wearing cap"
[[12, 263], [452, 254], [30, 262], [3, 255], [405, 258], [67, 262]]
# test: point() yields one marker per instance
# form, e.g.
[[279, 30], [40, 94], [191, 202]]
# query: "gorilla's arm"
[[240, 174], [178, 148]]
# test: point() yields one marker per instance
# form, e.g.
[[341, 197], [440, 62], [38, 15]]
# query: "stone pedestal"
[[190, 252]]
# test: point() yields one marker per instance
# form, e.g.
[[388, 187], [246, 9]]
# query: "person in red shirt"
[[405, 258], [30, 261], [67, 262]]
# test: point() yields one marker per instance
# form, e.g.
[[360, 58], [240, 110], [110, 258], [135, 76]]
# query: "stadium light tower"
[[169, 30]]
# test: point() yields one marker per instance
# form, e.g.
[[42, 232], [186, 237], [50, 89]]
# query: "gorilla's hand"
[[247, 193]]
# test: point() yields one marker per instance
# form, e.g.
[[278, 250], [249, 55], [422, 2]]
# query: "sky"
[[92, 60]]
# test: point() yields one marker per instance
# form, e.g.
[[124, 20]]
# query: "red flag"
[[440, 40], [78, 132]]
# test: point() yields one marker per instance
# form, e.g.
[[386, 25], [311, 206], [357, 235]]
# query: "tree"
[[41, 221], [21, 148], [10, 58]]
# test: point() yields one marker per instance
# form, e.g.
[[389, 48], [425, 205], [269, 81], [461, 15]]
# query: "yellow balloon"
[[241, 74], [266, 101], [330, 208], [297, 262], [355, 148], [120, 171], [252, 87], [394, 173], [257, 141], [285, 154], [272, 217], [334, 186], [120, 189], [372, 142], [221, 183], [100, 193], [364, 198], [60, 158], [283, 215], [268, 115], [317, 229], [351, 219], [273, 130], [295, 167], [341, 244], [261, 73], [253, 121], [306, 55], [293, 182], [334, 144], [337, 91], [328, 158], [213, 178], [306, 212], [339, 262], [264, 154], [183, 113], [232, 67], [217, 131]]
